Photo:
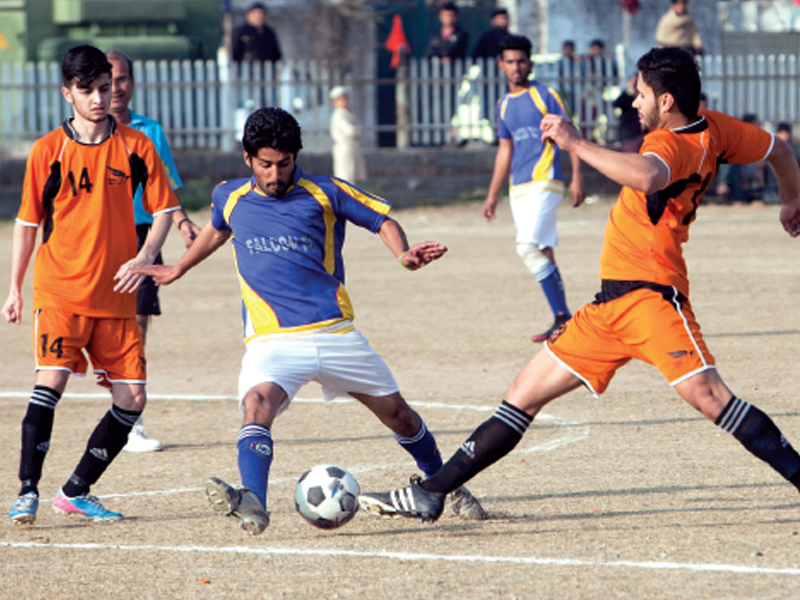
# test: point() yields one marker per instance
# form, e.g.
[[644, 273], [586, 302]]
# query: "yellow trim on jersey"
[[329, 260], [261, 315], [544, 167], [344, 302], [233, 200], [504, 106], [537, 100], [549, 185], [331, 327], [379, 207]]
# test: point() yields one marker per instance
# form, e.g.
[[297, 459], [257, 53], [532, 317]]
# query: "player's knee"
[[400, 417], [259, 407], [537, 261]]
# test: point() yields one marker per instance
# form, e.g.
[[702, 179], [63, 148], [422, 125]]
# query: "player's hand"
[[790, 217], [12, 309], [420, 255], [161, 274], [127, 279], [489, 209], [189, 231], [558, 130], [577, 191]]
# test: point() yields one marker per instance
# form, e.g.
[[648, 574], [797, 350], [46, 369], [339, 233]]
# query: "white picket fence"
[[203, 104]]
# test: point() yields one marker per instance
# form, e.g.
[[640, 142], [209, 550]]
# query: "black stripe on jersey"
[[139, 173], [49, 193]]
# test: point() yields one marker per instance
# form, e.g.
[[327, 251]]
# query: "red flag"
[[797, 2], [633, 6], [397, 41]]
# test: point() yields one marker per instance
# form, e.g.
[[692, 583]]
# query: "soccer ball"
[[327, 496]]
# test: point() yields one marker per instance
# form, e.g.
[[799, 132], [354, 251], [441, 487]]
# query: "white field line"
[[221, 398], [413, 557], [574, 433], [578, 224]]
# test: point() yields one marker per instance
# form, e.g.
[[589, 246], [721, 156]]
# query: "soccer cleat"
[[240, 503], [86, 505], [24, 510], [139, 442], [412, 502], [561, 318], [463, 504]]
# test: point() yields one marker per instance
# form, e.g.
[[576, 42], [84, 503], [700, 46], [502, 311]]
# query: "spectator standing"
[[602, 71], [488, 45], [629, 130], [449, 42], [348, 158], [677, 29], [569, 69], [255, 40], [147, 304]]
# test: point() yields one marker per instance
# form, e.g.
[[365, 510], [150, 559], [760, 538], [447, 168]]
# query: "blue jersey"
[[519, 115], [288, 250], [152, 129]]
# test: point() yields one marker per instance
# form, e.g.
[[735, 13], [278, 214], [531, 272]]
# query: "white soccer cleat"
[[139, 442]]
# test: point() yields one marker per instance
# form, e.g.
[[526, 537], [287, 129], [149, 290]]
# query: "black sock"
[[761, 436], [490, 442], [106, 441], [36, 429]]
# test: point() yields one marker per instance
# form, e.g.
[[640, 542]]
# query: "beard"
[[276, 189], [648, 123]]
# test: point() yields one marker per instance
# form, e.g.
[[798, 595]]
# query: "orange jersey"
[[82, 195], [645, 234]]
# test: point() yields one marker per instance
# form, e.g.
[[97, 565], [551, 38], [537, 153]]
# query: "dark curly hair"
[[673, 71], [84, 63], [274, 128], [515, 42]]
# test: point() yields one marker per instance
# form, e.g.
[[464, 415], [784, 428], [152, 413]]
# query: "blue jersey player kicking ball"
[[288, 230]]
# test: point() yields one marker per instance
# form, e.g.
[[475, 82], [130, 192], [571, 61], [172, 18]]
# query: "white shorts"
[[534, 210], [340, 362]]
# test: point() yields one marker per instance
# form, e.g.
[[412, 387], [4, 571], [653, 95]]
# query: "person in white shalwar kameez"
[[348, 159]]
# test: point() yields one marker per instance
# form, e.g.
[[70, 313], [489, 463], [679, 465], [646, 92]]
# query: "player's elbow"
[[781, 156], [650, 183]]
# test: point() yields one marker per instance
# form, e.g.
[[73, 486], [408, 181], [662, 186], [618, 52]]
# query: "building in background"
[[43, 30]]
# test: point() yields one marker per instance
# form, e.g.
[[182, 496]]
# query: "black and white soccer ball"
[[327, 496]]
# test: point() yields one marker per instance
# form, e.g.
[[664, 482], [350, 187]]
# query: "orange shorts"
[[642, 324], [62, 339]]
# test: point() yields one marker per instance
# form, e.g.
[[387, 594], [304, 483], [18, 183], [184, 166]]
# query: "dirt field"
[[630, 496]]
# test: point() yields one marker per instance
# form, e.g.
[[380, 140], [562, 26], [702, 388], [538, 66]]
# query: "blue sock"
[[255, 458], [423, 448], [553, 289]]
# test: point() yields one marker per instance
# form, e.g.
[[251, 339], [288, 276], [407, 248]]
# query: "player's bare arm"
[[576, 188], [781, 160], [414, 257], [208, 241], [22, 246], [502, 165], [644, 173], [127, 280]]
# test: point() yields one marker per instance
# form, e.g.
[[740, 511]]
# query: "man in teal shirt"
[[147, 303]]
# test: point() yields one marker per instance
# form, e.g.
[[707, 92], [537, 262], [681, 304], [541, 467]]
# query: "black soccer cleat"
[[560, 319], [411, 502]]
